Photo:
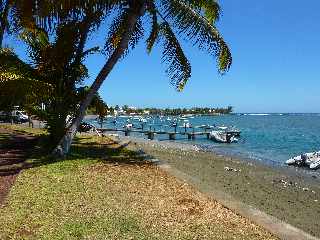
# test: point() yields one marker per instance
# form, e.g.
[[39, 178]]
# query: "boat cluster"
[[311, 160], [181, 124]]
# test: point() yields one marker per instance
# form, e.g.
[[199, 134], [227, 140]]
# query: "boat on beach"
[[311, 160]]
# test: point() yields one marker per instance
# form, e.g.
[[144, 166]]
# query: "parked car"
[[15, 116], [21, 116]]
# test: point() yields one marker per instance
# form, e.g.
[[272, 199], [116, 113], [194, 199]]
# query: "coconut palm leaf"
[[179, 68], [117, 29], [154, 33], [20, 81], [197, 28], [48, 14], [209, 8]]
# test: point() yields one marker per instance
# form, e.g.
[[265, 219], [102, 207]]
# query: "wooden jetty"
[[171, 135]]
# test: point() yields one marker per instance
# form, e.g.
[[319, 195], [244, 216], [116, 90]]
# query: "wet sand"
[[285, 193]]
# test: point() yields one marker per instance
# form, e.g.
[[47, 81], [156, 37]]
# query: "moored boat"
[[222, 137], [315, 164], [311, 160]]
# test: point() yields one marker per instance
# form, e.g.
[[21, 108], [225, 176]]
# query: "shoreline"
[[194, 146], [263, 138], [288, 194]]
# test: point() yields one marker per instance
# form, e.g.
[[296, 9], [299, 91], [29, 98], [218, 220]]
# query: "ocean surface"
[[271, 138]]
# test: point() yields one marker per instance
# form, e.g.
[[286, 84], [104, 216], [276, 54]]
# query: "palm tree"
[[55, 33], [192, 19], [4, 12]]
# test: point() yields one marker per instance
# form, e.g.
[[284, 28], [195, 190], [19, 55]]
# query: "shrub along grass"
[[102, 192]]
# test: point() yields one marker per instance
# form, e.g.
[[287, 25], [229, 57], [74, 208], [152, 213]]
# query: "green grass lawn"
[[23, 128], [99, 192]]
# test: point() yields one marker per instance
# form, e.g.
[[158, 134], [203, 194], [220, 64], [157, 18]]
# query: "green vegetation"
[[101, 191], [44, 82]]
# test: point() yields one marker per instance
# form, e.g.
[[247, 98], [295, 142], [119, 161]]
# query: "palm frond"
[[154, 28], [48, 14], [11, 63], [179, 69], [209, 8], [197, 28], [35, 38], [136, 34], [90, 51], [117, 29], [19, 80]]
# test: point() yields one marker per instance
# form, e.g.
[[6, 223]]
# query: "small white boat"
[[315, 164], [143, 120], [294, 160], [311, 159], [187, 125], [128, 126], [222, 137], [187, 115]]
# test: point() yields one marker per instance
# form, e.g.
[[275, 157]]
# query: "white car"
[[20, 116]]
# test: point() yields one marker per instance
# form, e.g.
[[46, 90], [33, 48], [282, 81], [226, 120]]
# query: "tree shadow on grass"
[[16, 148], [105, 152], [83, 148], [110, 152]]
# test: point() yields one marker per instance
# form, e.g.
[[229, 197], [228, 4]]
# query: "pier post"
[[208, 135], [228, 137], [191, 136], [127, 132], [172, 136], [151, 135]]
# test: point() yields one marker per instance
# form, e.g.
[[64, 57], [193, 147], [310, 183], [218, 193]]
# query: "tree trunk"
[[64, 145], [3, 20]]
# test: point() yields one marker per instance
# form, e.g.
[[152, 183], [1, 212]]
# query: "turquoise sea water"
[[270, 138]]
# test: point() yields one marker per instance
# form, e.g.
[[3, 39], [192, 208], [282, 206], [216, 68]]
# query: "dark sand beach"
[[285, 193]]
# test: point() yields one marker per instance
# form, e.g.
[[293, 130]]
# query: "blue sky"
[[275, 47]]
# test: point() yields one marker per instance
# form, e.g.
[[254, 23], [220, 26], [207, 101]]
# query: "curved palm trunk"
[[64, 145]]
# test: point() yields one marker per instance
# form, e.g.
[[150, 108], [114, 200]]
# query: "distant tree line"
[[176, 111]]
